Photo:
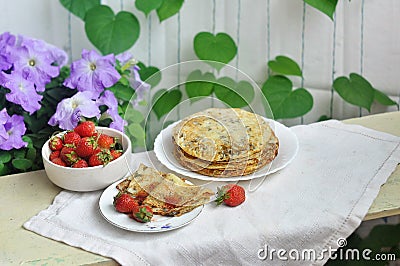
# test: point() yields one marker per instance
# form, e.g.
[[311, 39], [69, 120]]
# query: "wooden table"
[[24, 195]]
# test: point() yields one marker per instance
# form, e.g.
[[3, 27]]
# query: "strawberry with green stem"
[[71, 138], [85, 129], [124, 202], [55, 143], [142, 214], [102, 157], [68, 155], [86, 146], [231, 194]]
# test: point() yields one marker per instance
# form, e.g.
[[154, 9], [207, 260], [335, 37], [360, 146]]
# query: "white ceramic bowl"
[[90, 178]]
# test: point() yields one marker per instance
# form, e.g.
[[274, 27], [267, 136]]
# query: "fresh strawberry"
[[142, 213], [86, 146], [80, 164], [55, 143], [124, 202], [68, 155], [59, 161], [232, 195], [71, 138], [102, 157], [85, 129], [105, 141], [115, 154], [54, 154]]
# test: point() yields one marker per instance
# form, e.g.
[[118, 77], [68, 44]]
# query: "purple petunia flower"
[[3, 120], [7, 40], [57, 56], [35, 65], [141, 88], [93, 73], [15, 128], [108, 98], [70, 110], [22, 91]]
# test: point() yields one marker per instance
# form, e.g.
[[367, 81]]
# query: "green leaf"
[[138, 135], [122, 92], [146, 6], [323, 118], [28, 140], [111, 33], [285, 66], [220, 48], [356, 90], [168, 8], [325, 6], [31, 154], [22, 164], [283, 100], [4, 170], [199, 85], [5, 157], [79, 8], [150, 75], [164, 101], [137, 131], [19, 153], [234, 94], [133, 116], [383, 99], [386, 235]]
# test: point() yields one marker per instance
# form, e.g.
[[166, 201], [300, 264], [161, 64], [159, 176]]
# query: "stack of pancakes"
[[224, 142]]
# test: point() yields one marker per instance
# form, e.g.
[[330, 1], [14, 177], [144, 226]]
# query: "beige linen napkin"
[[321, 197]]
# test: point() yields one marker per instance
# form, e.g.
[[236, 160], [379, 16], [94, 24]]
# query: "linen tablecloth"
[[312, 204]]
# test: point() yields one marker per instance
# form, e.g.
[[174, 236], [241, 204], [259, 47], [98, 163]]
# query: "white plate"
[[158, 224], [288, 147]]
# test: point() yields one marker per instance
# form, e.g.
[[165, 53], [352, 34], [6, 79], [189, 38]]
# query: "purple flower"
[[35, 65], [6, 41], [57, 56], [3, 120], [70, 110], [15, 128], [22, 91], [93, 73], [141, 88], [108, 99], [124, 58]]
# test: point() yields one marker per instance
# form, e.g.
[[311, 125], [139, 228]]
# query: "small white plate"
[[288, 147], [158, 224]]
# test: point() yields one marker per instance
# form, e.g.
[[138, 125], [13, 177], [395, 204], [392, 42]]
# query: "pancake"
[[224, 142], [218, 134], [166, 194], [232, 169]]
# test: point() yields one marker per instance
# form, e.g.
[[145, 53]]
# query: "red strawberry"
[[80, 164], [68, 155], [231, 195], [102, 157], [105, 141], [59, 161], [124, 202], [85, 129], [142, 213], [54, 154], [71, 137], [115, 154], [86, 146], [55, 143]]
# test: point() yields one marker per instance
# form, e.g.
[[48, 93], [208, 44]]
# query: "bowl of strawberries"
[[87, 158]]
